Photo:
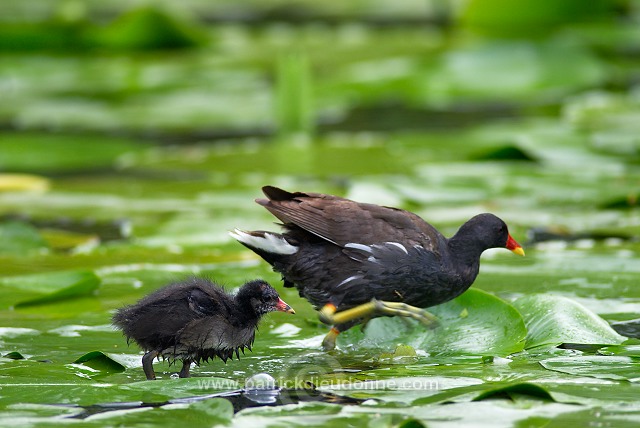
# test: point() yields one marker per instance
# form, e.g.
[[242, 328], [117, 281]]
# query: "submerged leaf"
[[53, 286], [474, 323], [401, 355], [555, 320]]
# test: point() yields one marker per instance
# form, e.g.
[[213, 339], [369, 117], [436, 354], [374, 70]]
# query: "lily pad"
[[185, 387], [54, 286], [506, 153], [99, 360], [23, 182], [475, 323], [14, 355], [624, 350], [515, 392], [555, 320], [602, 367], [18, 238]]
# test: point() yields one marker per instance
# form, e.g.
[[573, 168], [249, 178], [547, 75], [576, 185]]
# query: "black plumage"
[[196, 320], [343, 253]]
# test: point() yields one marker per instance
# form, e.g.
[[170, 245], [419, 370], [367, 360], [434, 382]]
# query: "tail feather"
[[264, 242]]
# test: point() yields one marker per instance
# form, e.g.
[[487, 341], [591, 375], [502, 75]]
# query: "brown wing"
[[342, 221]]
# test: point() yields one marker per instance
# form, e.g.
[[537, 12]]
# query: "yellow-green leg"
[[329, 315], [329, 341]]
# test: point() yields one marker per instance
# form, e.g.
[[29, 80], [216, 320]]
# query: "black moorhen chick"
[[196, 320], [354, 261]]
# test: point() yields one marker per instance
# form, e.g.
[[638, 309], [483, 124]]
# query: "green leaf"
[[17, 238], [14, 355], [474, 323], [625, 350], [148, 28], [185, 387], [22, 182], [602, 367], [53, 286], [65, 240], [505, 153], [554, 320], [515, 392], [99, 360]]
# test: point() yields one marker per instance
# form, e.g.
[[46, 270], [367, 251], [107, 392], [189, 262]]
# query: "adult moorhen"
[[196, 320], [354, 261]]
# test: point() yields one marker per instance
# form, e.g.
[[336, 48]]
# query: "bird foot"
[[329, 341], [404, 310]]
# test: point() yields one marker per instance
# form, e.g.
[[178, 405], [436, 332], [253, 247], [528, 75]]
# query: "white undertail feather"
[[268, 242]]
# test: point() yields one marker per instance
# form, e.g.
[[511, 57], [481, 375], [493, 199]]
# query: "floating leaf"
[[623, 350], [53, 286], [185, 387], [490, 326], [17, 238], [21, 182], [515, 392], [14, 355], [628, 201], [55, 153], [148, 28], [555, 320], [602, 367], [506, 153], [99, 360], [64, 240]]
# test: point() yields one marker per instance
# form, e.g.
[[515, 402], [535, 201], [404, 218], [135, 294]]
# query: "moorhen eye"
[[193, 321], [354, 261]]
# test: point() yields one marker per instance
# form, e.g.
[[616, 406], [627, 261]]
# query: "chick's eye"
[[270, 298]]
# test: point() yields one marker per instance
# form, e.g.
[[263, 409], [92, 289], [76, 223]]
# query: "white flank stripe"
[[268, 242], [351, 278], [399, 245], [359, 247]]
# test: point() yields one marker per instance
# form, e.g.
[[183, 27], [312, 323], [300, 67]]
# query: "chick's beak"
[[282, 306], [514, 246]]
